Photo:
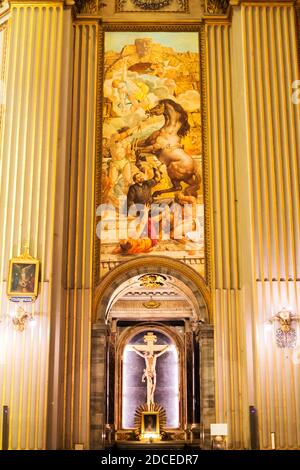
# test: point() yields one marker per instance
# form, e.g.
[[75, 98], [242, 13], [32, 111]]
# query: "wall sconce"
[[285, 334], [20, 317], [218, 432]]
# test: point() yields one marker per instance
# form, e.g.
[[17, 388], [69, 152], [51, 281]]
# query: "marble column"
[[205, 336], [99, 397]]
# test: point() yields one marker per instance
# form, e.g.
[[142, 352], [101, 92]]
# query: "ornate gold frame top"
[[169, 27]]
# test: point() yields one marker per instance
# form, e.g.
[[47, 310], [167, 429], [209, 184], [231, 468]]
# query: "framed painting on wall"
[[150, 423], [151, 166], [23, 277]]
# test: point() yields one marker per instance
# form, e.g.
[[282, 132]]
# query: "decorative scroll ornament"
[[151, 4], [152, 281], [213, 7], [92, 7]]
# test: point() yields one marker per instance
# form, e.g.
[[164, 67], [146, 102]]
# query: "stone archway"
[[142, 265], [198, 339]]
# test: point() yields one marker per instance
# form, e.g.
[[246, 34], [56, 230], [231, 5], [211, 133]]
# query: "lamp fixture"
[[285, 334]]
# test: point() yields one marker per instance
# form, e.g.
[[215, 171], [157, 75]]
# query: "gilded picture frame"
[[130, 28], [150, 423], [23, 278]]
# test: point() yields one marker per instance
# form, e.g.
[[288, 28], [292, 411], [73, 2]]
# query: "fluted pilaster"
[[81, 235], [225, 277], [30, 152], [267, 148]]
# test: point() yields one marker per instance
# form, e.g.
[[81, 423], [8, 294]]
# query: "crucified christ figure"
[[150, 371]]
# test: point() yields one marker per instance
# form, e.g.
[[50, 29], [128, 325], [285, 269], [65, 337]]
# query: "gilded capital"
[[216, 7], [90, 7]]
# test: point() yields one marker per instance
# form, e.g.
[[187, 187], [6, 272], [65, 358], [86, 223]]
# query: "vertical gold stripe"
[[273, 54], [5, 166], [56, 13], [75, 112], [284, 126], [31, 150], [78, 243], [85, 83], [291, 67], [39, 150], [26, 63], [41, 230], [230, 162], [293, 192], [77, 219], [264, 204], [45, 274], [215, 154], [247, 72], [13, 360], [239, 348], [208, 48], [95, 31], [223, 148], [229, 353]]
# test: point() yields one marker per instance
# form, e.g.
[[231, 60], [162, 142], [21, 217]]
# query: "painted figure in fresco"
[[166, 145], [140, 191], [134, 246], [185, 229], [120, 151], [150, 371], [129, 94]]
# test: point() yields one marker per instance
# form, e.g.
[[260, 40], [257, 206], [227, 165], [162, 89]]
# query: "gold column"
[[225, 272], [267, 143], [29, 156], [81, 233]]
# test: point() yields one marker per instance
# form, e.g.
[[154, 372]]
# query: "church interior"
[[150, 235]]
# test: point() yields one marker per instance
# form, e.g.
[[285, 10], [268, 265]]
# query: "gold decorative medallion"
[[151, 304], [174, 6], [152, 281]]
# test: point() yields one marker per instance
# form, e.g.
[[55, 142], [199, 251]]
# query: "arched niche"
[[111, 285], [169, 369], [181, 317]]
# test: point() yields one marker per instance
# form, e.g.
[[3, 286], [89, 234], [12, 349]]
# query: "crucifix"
[[150, 352]]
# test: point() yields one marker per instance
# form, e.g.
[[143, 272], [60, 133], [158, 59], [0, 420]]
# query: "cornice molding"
[[6, 5], [66, 3], [234, 3]]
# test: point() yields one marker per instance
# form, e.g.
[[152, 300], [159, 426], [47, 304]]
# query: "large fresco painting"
[[152, 186]]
